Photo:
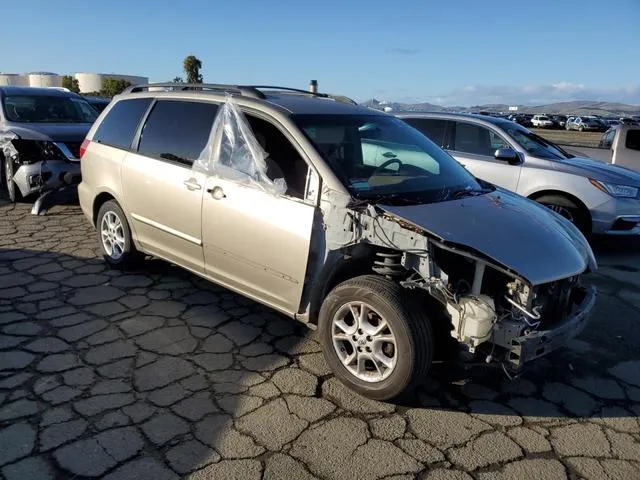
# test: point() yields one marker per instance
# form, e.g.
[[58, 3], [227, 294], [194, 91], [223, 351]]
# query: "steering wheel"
[[386, 164]]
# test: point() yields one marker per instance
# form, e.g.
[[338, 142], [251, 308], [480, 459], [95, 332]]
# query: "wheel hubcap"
[[364, 342], [564, 211], [112, 235]]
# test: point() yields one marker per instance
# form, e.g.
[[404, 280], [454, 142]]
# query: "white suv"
[[542, 121]]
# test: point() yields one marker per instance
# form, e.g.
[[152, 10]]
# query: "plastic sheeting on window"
[[233, 152]]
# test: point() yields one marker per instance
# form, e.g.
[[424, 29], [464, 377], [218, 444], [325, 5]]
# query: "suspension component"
[[388, 264]]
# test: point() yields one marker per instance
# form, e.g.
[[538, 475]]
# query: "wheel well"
[[345, 265], [583, 208], [100, 200]]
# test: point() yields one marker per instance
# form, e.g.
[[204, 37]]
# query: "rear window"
[[119, 126], [633, 140], [177, 130], [432, 128]]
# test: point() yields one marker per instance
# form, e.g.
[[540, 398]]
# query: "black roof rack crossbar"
[[287, 89], [237, 89]]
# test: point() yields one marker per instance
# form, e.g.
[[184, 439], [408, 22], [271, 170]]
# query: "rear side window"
[[119, 126], [633, 140], [177, 130], [432, 128]]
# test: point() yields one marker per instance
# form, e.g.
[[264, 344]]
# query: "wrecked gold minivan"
[[342, 217]]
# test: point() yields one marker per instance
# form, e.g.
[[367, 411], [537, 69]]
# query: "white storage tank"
[[44, 79], [13, 79], [92, 82]]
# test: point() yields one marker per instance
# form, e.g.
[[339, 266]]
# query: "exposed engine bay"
[[494, 311]]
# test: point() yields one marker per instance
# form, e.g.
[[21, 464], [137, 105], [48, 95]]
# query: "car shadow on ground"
[[158, 370]]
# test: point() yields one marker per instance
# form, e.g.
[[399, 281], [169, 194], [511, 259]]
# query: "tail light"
[[84, 146]]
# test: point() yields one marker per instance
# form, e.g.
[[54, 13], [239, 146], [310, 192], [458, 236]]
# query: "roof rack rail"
[[254, 91], [176, 86]]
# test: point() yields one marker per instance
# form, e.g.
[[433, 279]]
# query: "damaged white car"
[[41, 130], [339, 216]]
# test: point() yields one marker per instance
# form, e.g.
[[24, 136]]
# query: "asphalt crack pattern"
[[159, 374]]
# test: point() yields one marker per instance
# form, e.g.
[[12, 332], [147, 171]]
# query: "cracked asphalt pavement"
[[157, 374]]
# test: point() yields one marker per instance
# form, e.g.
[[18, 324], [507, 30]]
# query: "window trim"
[[140, 122], [495, 131], [135, 146]]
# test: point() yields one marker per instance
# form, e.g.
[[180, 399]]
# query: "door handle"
[[191, 184], [216, 192]]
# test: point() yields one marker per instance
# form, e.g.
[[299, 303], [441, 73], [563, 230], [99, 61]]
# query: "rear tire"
[[386, 304], [570, 210], [114, 237]]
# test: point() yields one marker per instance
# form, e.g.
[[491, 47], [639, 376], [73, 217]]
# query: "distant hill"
[[582, 107]]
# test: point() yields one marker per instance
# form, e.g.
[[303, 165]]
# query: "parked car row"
[[580, 123], [392, 236]]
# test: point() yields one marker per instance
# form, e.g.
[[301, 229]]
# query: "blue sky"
[[443, 51]]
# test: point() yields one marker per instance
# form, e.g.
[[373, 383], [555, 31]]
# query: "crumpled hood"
[[605, 172], [515, 232], [55, 132]]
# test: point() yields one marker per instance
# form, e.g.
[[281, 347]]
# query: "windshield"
[[543, 118], [47, 109], [381, 156], [537, 146]]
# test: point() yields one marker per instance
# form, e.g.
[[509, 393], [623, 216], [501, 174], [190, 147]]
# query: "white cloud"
[[535, 94]]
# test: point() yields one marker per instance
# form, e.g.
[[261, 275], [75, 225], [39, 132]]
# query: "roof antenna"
[[313, 86]]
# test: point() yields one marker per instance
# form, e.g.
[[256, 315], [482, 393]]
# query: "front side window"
[[379, 156], [47, 109], [177, 130], [474, 139]]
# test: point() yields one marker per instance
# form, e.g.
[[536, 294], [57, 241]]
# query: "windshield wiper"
[[469, 192], [391, 198]]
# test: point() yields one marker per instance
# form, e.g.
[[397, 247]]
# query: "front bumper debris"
[[536, 344], [37, 177]]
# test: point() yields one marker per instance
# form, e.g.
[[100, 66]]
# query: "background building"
[[88, 82]]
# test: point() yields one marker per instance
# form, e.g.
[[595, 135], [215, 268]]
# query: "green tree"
[[192, 66], [177, 80], [71, 83], [113, 86]]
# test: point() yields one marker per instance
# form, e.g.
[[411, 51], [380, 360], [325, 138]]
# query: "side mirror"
[[508, 155]]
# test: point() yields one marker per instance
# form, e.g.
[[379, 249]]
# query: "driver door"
[[256, 242]]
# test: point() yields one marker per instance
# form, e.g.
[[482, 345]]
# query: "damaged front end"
[[507, 307], [38, 167]]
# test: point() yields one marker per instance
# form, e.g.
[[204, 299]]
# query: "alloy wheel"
[[112, 235], [364, 342]]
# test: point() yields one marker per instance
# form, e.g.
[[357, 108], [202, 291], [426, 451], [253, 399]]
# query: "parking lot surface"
[[157, 374]]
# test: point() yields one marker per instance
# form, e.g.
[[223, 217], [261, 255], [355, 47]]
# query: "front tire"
[[570, 210], [13, 193], [374, 337], [114, 237]]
